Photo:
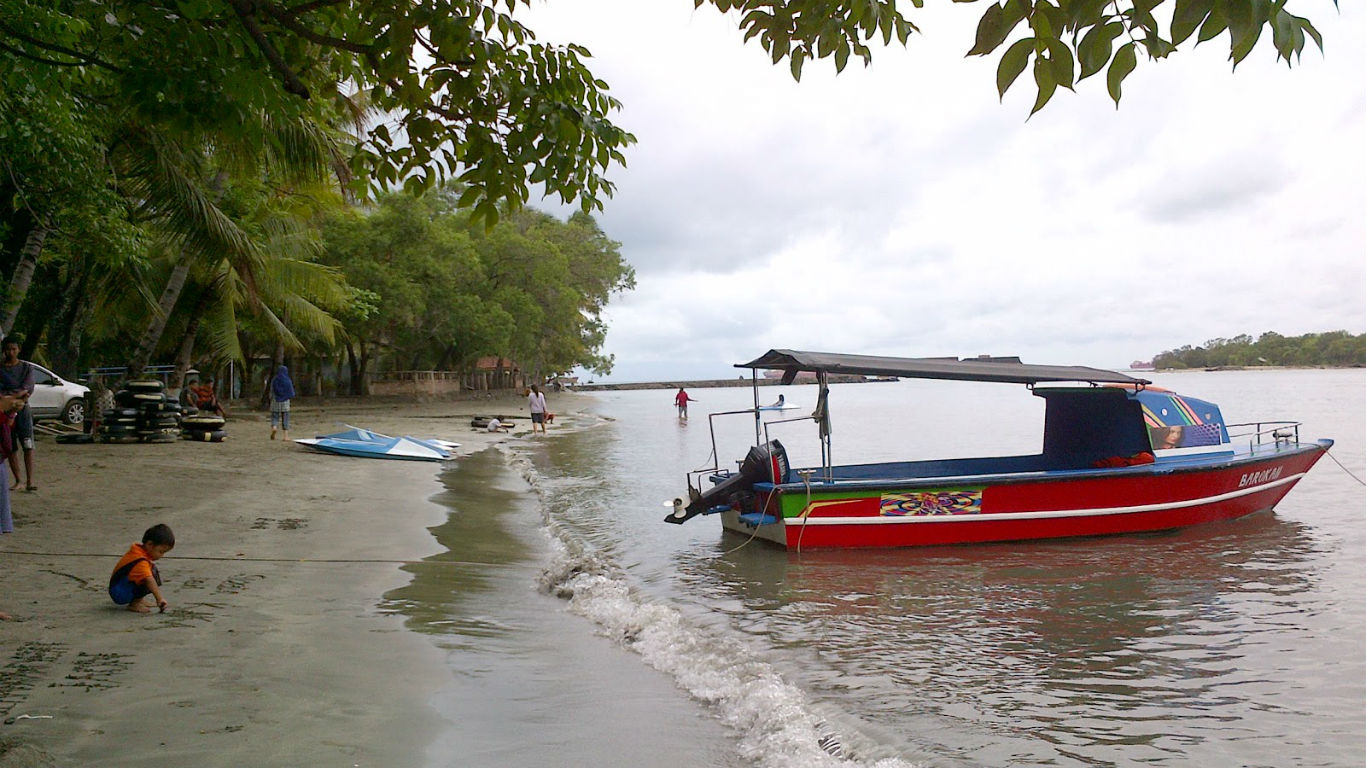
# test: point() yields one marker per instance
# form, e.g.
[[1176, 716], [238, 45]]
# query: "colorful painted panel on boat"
[[1174, 421], [926, 503]]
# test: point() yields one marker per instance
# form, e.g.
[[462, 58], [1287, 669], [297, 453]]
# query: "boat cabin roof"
[[1008, 370]]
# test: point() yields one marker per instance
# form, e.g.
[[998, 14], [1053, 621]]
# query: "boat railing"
[[1256, 433], [711, 426]]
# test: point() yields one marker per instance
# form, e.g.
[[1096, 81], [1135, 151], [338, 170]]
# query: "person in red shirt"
[[681, 400], [206, 399], [136, 575]]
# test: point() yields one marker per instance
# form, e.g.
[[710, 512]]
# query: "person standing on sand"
[[681, 401], [281, 392], [536, 402], [17, 376], [9, 404]]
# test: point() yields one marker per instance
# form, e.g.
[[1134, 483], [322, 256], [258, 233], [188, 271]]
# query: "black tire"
[[124, 399], [78, 438], [206, 436], [174, 433], [145, 385], [202, 422]]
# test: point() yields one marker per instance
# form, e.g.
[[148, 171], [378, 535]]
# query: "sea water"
[[583, 630]]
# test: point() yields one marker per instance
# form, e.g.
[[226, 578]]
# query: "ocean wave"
[[776, 724]]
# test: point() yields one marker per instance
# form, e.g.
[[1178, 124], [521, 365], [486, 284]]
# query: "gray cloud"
[[902, 210]]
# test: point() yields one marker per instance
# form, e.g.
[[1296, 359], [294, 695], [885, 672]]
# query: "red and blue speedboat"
[[1119, 456]]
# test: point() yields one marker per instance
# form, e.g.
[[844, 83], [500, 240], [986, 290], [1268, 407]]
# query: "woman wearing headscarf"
[[281, 392]]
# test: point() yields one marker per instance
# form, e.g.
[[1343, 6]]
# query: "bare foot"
[[5, 616], [31, 488], [139, 607]]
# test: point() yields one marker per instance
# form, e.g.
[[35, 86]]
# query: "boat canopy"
[[1008, 370]]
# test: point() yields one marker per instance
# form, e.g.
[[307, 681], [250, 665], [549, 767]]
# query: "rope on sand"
[[245, 559]]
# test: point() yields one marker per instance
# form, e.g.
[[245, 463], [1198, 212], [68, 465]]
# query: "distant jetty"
[[740, 381]]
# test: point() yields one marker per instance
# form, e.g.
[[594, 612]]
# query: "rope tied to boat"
[[1330, 455]]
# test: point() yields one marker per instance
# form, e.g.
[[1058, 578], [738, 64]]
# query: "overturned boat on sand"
[[364, 443]]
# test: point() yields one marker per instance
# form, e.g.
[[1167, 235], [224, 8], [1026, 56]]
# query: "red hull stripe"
[[812, 521]]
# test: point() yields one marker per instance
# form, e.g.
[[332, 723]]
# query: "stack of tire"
[[203, 426], [142, 413]]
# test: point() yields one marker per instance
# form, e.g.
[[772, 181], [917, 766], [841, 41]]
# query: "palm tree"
[[184, 192]]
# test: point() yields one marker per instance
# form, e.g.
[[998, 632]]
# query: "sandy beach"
[[274, 650]]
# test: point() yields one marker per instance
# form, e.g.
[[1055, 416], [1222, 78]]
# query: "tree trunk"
[[184, 356], [151, 337], [447, 355], [352, 370], [64, 340], [23, 276], [362, 387], [185, 353]]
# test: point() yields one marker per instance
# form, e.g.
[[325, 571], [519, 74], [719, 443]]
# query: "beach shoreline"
[[276, 649]]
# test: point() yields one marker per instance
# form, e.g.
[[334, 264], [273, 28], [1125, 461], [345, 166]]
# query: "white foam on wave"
[[776, 725], [773, 719]]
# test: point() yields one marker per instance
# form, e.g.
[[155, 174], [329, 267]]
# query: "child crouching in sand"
[[136, 574]]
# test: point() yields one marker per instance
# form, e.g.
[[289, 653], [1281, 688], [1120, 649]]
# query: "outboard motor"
[[765, 463]]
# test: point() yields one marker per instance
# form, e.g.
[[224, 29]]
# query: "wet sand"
[[274, 650]]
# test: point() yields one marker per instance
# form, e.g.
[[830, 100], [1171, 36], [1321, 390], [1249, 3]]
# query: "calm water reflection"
[[1229, 644]]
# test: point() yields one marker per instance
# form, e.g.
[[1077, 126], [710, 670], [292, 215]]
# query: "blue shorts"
[[537, 418]]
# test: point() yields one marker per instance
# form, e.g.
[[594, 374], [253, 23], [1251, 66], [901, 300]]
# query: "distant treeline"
[[1334, 348]]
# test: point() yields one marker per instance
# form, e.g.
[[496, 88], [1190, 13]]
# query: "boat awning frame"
[[1007, 370]]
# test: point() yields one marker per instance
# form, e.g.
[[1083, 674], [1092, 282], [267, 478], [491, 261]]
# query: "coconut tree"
[[183, 190]]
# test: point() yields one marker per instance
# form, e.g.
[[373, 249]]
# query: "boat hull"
[[963, 510]]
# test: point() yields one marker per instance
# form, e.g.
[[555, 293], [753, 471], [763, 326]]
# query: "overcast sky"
[[902, 209]]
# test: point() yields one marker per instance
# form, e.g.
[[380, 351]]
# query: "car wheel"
[[74, 412]]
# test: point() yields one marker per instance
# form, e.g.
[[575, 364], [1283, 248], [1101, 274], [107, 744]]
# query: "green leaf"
[[1096, 47], [1314, 33], [1124, 63], [1244, 29], [1213, 26], [994, 27], [1188, 17], [1012, 64], [1061, 62], [1043, 78], [1283, 34]]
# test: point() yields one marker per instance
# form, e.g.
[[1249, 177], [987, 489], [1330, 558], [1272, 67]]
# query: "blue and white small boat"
[[355, 441]]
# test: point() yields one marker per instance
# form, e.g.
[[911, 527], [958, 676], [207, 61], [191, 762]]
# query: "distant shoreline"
[[741, 381], [1218, 368]]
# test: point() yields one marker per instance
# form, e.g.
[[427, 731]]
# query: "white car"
[[55, 398]]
